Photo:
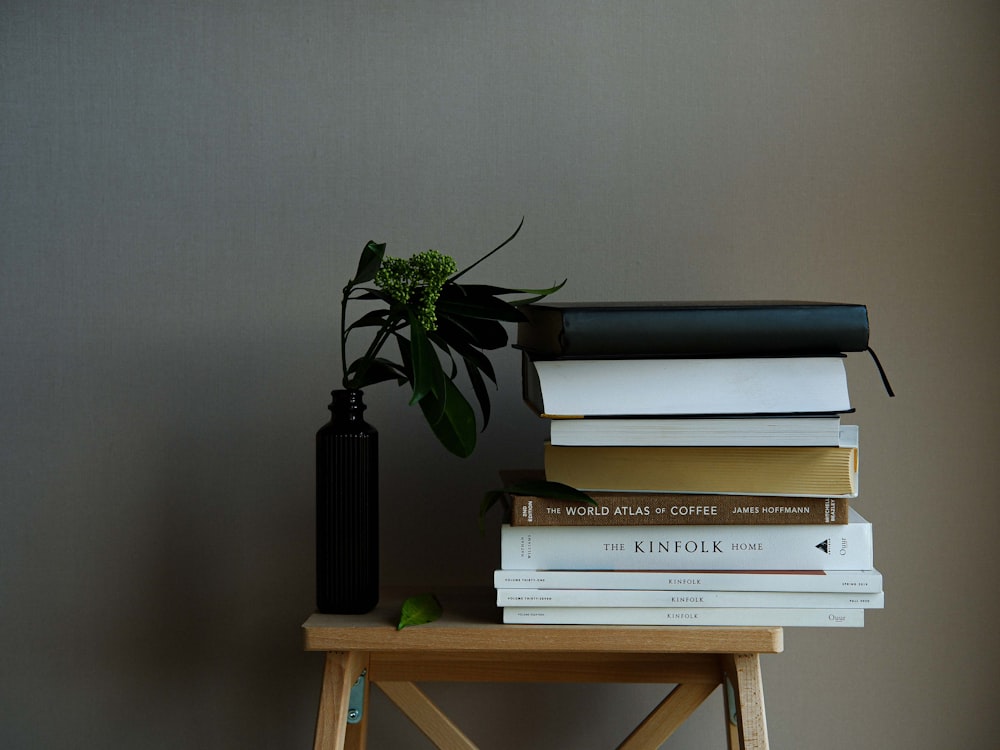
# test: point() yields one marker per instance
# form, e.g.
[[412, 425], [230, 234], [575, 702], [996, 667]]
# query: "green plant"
[[426, 311]]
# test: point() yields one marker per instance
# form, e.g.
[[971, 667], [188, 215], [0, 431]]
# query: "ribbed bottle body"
[[347, 551]]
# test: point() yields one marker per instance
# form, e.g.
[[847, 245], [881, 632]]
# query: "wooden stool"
[[469, 644]]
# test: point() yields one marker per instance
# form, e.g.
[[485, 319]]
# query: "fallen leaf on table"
[[418, 610]]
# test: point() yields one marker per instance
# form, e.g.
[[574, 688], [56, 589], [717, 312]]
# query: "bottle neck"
[[347, 405]]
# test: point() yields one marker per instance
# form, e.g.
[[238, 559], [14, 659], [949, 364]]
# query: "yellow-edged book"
[[827, 471]]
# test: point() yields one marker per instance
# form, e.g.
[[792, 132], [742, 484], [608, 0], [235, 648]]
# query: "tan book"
[[668, 509], [775, 470]]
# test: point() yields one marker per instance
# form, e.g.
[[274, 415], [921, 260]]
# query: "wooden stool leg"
[[732, 714], [428, 718], [339, 674], [666, 717], [743, 673]]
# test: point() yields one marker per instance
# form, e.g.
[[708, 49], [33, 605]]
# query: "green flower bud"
[[418, 280]]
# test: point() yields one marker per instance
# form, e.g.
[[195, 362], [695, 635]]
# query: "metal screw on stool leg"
[[356, 700]]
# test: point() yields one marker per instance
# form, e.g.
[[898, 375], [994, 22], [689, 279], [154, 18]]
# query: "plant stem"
[[343, 334], [378, 341]]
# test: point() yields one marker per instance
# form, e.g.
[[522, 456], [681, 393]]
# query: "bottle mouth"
[[351, 399]]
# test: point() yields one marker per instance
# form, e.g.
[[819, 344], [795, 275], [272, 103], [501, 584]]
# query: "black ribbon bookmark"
[[881, 371]]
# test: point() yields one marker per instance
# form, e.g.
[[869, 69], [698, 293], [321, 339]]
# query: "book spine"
[[696, 331], [792, 430], [654, 598], [664, 509], [852, 581], [751, 547], [726, 616]]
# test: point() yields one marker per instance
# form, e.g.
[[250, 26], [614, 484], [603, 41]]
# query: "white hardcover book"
[[720, 547], [697, 431], [653, 598], [683, 386], [859, 581], [725, 616]]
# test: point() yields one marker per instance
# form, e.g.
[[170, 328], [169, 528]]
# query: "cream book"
[[830, 471]]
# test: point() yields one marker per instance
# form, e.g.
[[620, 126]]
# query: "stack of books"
[[710, 438]]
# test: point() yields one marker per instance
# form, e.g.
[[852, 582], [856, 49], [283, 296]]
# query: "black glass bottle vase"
[[347, 551]]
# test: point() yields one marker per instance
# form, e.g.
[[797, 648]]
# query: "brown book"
[[667, 509]]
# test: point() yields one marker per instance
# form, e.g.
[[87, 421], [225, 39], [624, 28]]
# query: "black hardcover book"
[[692, 329]]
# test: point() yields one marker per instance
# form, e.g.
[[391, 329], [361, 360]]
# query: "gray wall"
[[185, 187]]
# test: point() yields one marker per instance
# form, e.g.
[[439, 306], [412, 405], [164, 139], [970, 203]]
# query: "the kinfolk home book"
[[709, 547]]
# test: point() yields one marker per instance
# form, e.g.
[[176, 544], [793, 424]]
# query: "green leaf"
[[477, 364], [454, 334], [404, 356], [478, 302], [478, 332], [551, 490], [368, 295], [441, 344], [536, 487], [419, 610], [371, 318], [479, 388], [369, 263], [469, 268], [537, 294], [427, 373], [379, 370], [475, 358], [452, 345], [451, 419], [445, 409]]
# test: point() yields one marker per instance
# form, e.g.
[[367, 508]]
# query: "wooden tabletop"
[[471, 623]]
